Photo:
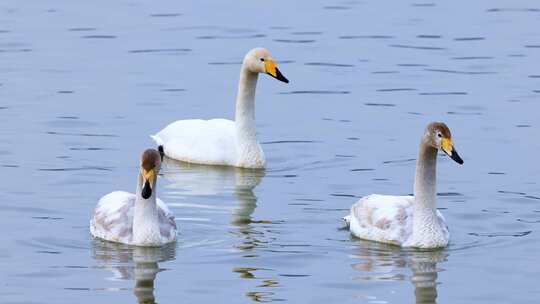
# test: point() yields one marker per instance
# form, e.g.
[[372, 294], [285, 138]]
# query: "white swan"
[[136, 219], [221, 141], [409, 221]]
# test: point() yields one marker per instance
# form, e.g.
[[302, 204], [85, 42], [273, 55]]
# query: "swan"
[[221, 141], [136, 219], [409, 221]]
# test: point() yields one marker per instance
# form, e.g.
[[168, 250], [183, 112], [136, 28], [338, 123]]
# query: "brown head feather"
[[150, 159], [441, 127]]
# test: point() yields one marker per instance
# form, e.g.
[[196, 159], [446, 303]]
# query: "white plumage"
[[210, 142], [222, 141], [409, 221], [112, 220], [389, 219]]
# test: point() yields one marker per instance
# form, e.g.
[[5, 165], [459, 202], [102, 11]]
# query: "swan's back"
[[200, 141], [112, 219], [382, 218]]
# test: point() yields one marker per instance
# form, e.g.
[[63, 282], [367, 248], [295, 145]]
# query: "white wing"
[[113, 218], [200, 141], [167, 224], [382, 218]]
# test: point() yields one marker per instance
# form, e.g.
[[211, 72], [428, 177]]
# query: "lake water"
[[83, 84]]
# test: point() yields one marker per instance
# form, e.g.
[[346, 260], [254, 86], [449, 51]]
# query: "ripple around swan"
[[501, 234]]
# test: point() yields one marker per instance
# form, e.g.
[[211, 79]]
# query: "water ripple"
[[459, 72], [442, 93], [295, 40], [416, 47], [329, 64], [166, 15], [472, 58], [317, 92], [82, 29], [85, 168], [81, 134], [366, 37], [496, 10], [209, 37], [396, 90], [374, 104], [99, 37], [469, 38], [173, 50], [501, 234]]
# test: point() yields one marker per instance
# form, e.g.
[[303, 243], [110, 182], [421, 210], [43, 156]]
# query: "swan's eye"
[[262, 59]]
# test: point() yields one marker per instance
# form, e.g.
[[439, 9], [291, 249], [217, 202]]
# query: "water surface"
[[83, 84]]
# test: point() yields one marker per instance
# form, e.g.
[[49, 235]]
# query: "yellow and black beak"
[[448, 147], [272, 70], [149, 176]]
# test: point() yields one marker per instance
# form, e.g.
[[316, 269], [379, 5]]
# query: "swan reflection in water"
[[380, 262], [223, 183], [215, 181], [133, 263]]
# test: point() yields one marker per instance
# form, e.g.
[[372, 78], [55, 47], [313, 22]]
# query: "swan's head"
[[259, 60], [150, 165], [439, 137]]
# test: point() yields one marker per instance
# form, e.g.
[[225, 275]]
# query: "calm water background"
[[83, 84]]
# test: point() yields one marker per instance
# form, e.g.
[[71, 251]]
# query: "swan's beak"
[[148, 180], [272, 70], [448, 147]]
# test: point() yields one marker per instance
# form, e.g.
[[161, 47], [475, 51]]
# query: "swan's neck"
[[145, 217], [245, 105], [425, 192]]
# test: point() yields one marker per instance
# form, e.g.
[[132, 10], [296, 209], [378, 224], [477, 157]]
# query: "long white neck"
[[245, 105], [145, 217], [425, 192]]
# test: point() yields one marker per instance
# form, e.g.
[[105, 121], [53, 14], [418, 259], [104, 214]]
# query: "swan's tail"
[[158, 140]]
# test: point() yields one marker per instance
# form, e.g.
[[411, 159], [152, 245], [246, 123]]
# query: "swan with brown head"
[[409, 221], [139, 219]]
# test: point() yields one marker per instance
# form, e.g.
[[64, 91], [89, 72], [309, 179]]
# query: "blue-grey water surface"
[[83, 84]]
